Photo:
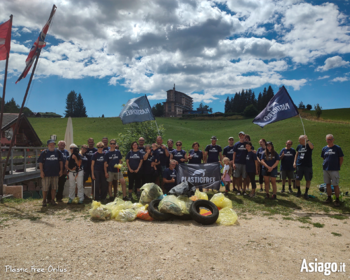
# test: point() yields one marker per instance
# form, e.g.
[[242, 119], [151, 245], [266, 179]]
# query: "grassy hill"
[[342, 114], [189, 131]]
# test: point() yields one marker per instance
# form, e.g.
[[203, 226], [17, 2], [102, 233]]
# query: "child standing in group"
[[225, 176]]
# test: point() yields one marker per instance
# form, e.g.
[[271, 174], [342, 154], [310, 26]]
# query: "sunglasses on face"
[[178, 145], [99, 147], [112, 143]]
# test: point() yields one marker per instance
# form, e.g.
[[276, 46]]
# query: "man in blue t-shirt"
[[62, 179], [142, 149], [163, 158], [51, 168], [303, 164], [239, 161], [90, 151], [169, 176], [112, 173], [287, 156], [332, 161], [228, 152], [105, 144], [213, 152]]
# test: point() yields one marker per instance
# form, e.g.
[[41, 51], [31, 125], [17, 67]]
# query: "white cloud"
[[323, 77], [148, 45], [26, 30], [341, 79], [332, 62]]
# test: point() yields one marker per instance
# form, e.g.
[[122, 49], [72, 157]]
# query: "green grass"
[[189, 131], [318, 225], [336, 234], [334, 114]]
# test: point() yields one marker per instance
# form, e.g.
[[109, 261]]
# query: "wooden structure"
[[25, 136], [177, 103], [23, 164]]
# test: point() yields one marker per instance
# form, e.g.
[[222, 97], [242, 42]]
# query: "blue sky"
[[112, 51]]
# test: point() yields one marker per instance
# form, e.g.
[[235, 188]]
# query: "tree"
[[147, 130], [102, 116], [250, 111], [301, 105], [80, 109], [318, 110], [71, 104], [158, 110], [309, 107], [202, 108]]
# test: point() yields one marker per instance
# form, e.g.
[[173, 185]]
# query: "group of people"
[[157, 163]]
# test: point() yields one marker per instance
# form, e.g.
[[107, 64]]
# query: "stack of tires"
[[194, 212]]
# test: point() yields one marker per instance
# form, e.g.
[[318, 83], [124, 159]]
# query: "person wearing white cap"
[[239, 162]]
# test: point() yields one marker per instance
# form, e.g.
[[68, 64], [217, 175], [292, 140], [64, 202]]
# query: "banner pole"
[[302, 124], [156, 125]]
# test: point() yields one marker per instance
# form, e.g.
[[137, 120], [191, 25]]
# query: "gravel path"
[[259, 247]]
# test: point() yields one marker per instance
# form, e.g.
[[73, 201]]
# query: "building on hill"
[[25, 136], [177, 103], [47, 115]]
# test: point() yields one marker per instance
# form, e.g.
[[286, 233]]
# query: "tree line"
[[75, 106], [12, 107]]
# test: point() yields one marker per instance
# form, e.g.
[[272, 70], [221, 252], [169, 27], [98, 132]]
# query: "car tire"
[[204, 220], [154, 212]]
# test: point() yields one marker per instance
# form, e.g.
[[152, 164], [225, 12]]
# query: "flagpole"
[[152, 114], [3, 171], [302, 124], [21, 110]]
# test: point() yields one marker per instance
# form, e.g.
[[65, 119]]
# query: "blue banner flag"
[[280, 107], [136, 110]]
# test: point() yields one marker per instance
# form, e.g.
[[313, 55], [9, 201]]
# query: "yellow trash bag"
[[201, 195], [126, 215], [221, 201], [186, 203], [150, 191], [171, 204], [227, 217], [99, 211]]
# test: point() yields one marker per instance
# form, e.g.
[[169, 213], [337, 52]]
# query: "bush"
[[250, 111], [134, 131], [309, 107], [318, 110]]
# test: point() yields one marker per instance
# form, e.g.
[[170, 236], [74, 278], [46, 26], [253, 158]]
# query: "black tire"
[[154, 212], [204, 220], [184, 217]]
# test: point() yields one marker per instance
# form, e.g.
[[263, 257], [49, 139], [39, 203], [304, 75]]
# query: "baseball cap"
[[241, 132], [214, 138], [50, 141], [230, 138]]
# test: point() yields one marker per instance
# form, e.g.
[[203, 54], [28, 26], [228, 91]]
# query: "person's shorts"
[[114, 176], [304, 171], [287, 173], [49, 181], [273, 173], [240, 171], [331, 177]]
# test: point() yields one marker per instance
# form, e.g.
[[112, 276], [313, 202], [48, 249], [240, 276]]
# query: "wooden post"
[[25, 160], [2, 171]]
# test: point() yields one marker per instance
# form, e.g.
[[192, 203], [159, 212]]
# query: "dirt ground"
[[260, 247]]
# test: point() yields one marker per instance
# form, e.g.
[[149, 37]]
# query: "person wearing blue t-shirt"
[[142, 149], [195, 155], [179, 154], [170, 147], [259, 154], [164, 159], [51, 168], [169, 176], [112, 173], [213, 152], [105, 144], [287, 156], [90, 151], [62, 179], [252, 166], [239, 161], [270, 162], [150, 162], [332, 161], [303, 164], [228, 152], [134, 160], [98, 174], [75, 174]]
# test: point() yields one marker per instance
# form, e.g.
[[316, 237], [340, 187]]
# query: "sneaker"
[[267, 196], [274, 196], [244, 193], [53, 203], [336, 203], [328, 200], [306, 196], [130, 196], [238, 193], [282, 191], [290, 191], [81, 201], [235, 190], [252, 195], [125, 198], [70, 201], [261, 190], [59, 200], [44, 203], [299, 194]]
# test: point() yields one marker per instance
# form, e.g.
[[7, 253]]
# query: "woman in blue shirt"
[[270, 162], [98, 174], [134, 160], [179, 154], [260, 152], [195, 155]]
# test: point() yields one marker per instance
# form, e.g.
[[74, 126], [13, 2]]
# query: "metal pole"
[[302, 124]]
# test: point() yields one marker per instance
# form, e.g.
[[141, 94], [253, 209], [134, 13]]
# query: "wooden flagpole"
[[3, 171]]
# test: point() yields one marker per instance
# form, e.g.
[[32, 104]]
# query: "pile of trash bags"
[[187, 205]]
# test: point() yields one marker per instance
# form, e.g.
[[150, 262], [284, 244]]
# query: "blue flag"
[[280, 107], [136, 110]]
